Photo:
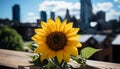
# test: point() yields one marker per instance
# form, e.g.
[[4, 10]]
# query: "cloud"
[[118, 6], [107, 7], [104, 6], [31, 17], [117, 1], [59, 7], [31, 14], [112, 14]]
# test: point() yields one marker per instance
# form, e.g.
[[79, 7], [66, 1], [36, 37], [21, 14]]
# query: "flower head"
[[57, 38]]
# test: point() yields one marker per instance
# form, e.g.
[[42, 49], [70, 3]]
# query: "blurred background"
[[99, 21]]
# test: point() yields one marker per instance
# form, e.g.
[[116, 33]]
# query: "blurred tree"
[[82, 32], [117, 30], [10, 39]]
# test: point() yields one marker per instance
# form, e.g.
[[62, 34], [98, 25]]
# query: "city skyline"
[[30, 10]]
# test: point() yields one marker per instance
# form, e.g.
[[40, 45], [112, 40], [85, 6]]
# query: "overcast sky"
[[30, 9]]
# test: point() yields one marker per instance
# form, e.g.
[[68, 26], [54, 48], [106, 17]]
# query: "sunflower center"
[[56, 41]]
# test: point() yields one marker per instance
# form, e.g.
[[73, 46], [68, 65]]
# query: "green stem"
[[56, 63]]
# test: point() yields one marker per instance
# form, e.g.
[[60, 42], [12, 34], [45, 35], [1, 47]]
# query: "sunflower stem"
[[57, 64]]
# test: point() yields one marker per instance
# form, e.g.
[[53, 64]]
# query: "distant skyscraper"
[[75, 21], [101, 15], [43, 16], [16, 13], [101, 20], [52, 15], [119, 19], [67, 16], [86, 13]]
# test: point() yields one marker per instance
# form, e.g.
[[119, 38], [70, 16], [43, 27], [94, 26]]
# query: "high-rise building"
[[86, 13], [16, 13], [67, 16], [43, 16], [52, 15], [101, 15], [119, 19], [75, 22]]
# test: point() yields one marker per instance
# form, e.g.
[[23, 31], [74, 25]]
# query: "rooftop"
[[116, 41], [99, 38], [84, 38]]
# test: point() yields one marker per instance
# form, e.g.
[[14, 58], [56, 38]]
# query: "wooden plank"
[[12, 59], [15, 59], [103, 65]]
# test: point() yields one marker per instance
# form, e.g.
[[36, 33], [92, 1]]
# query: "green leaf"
[[79, 59], [36, 60], [88, 52]]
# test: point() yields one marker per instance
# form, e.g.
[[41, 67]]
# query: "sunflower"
[[57, 39]]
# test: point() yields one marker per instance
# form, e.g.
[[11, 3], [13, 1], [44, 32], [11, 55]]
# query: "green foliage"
[[117, 30], [56, 65], [36, 61], [10, 39], [88, 52], [49, 64], [31, 46], [79, 59]]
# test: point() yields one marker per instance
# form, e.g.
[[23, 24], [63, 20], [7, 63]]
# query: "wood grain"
[[15, 59]]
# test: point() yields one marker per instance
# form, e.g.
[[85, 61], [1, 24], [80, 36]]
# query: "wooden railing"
[[20, 60]]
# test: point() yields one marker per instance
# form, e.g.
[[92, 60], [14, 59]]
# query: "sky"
[[30, 9]]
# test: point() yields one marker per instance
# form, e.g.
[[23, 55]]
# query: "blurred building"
[[86, 13], [75, 22], [16, 13], [119, 19], [52, 15], [102, 42], [101, 15], [43, 16], [67, 16], [98, 42], [116, 49], [38, 23], [101, 19], [114, 24], [7, 22], [26, 30]]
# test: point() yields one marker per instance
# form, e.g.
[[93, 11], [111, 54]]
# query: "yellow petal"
[[68, 27], [58, 23], [73, 31], [59, 55], [63, 25], [71, 50], [38, 50], [51, 54], [41, 48], [43, 56], [45, 51], [41, 32], [66, 56], [52, 25], [39, 39], [45, 27], [74, 43], [75, 37]]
